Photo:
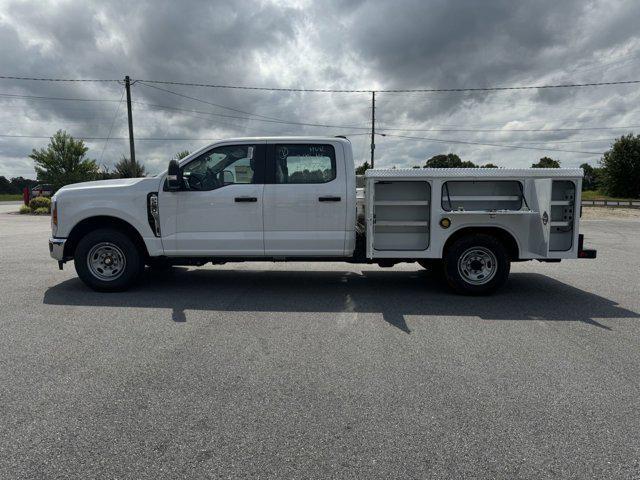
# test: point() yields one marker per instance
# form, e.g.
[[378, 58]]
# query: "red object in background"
[[25, 195]]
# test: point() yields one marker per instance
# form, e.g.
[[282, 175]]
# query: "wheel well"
[[509, 242], [93, 223]]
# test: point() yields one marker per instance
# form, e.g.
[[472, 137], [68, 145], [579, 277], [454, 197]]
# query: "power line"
[[404, 90], [591, 140], [438, 140], [113, 138], [39, 79], [499, 145], [282, 121], [41, 97], [498, 130], [223, 123], [401, 129], [210, 103], [332, 90], [285, 122], [272, 119], [254, 119], [111, 127]]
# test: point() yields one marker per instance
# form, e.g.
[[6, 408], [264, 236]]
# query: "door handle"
[[246, 199], [329, 199]]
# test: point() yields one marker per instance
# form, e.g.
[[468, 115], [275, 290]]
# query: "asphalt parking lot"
[[297, 370]]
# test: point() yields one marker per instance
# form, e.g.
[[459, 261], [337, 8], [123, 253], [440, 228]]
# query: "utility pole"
[[373, 124], [132, 149]]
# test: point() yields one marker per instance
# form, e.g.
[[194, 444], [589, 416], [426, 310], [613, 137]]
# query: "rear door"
[[305, 201]]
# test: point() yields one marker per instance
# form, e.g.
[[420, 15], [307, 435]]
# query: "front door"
[[305, 199], [219, 210]]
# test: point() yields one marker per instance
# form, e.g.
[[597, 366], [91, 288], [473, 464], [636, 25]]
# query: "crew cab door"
[[305, 199], [219, 209]]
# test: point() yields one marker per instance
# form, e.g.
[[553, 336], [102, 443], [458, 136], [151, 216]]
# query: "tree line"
[[64, 160], [617, 175]]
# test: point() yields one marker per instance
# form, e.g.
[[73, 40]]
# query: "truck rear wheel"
[[107, 260], [477, 264]]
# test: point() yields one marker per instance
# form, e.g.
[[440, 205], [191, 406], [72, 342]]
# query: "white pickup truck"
[[294, 198]]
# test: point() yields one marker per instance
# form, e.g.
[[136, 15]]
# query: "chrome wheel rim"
[[477, 265], [106, 261]]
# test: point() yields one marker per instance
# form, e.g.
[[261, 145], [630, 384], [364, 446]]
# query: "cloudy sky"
[[339, 44]]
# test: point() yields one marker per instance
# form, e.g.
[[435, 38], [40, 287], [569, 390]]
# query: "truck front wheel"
[[477, 264], [107, 260]]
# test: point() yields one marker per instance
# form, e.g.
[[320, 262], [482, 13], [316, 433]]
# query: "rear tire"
[[476, 265], [107, 260]]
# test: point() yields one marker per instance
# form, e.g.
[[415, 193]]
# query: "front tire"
[[107, 260], [476, 265]]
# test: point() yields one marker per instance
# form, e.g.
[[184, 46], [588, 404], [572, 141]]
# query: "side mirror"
[[174, 176]]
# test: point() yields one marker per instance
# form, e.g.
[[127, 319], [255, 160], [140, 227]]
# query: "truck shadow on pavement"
[[394, 294]]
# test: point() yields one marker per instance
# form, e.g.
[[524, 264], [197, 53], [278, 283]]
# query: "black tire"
[[124, 254], [476, 264]]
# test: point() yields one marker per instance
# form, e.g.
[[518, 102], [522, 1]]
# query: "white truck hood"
[[110, 184]]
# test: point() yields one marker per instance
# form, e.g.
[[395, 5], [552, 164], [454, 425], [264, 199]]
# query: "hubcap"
[[106, 261], [477, 265]]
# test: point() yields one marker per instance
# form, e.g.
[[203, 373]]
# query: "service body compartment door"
[[398, 217], [540, 225], [305, 199]]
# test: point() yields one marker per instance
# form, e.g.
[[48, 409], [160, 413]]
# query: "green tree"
[[362, 168], [621, 167], [490, 165], [590, 180], [180, 155], [546, 162], [125, 168], [450, 160], [105, 173], [5, 185], [63, 161], [20, 182]]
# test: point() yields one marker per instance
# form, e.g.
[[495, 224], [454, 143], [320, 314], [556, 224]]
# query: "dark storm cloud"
[[338, 44]]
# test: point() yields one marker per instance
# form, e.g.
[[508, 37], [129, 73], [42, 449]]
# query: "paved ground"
[[325, 371]]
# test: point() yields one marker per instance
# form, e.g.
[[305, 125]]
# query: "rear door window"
[[304, 163]]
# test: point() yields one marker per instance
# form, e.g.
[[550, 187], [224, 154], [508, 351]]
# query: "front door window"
[[227, 165]]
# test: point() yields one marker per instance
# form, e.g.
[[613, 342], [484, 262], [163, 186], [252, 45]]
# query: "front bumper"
[[56, 248]]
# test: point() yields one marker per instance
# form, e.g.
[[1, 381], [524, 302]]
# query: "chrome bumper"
[[56, 248]]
